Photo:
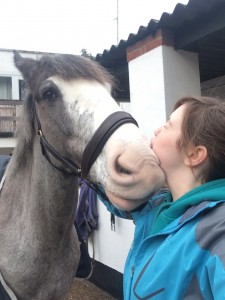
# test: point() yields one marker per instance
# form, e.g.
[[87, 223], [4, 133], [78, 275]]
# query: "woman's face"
[[164, 144]]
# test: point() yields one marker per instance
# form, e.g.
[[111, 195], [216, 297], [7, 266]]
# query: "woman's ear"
[[196, 155]]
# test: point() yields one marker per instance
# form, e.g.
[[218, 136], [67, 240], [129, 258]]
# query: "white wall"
[[157, 79], [147, 94], [111, 247], [181, 76]]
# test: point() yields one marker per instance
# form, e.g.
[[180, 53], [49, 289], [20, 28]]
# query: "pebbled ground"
[[83, 289]]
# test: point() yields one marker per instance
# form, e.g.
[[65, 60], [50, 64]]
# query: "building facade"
[[12, 90]]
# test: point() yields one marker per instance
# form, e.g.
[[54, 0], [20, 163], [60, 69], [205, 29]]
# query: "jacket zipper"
[[132, 272], [131, 281]]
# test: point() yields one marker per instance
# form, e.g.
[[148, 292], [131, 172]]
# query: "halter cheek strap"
[[47, 148]]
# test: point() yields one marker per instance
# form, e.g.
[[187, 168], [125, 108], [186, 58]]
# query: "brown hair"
[[204, 124]]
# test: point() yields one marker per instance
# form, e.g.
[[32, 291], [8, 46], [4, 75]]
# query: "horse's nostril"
[[124, 171], [121, 169]]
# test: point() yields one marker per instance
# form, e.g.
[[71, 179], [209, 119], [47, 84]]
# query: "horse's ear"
[[26, 66]]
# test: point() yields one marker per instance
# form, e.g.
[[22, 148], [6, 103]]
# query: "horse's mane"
[[34, 72]]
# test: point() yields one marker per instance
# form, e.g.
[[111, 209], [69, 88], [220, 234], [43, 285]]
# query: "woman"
[[179, 242]]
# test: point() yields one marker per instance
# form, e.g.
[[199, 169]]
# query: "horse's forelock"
[[74, 66]]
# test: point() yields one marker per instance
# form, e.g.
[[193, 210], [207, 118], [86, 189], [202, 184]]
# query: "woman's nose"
[[157, 131]]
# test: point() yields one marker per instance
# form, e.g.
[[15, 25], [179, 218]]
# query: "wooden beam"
[[11, 102]]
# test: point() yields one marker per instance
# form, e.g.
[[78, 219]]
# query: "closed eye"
[[168, 124]]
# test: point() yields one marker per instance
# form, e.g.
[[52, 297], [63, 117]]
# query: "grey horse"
[[70, 96]]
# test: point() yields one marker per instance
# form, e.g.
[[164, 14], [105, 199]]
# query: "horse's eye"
[[49, 94]]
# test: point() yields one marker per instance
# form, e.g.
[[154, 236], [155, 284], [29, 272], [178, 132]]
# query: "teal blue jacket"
[[185, 259]]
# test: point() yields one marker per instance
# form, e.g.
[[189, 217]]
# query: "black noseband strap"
[[101, 136]]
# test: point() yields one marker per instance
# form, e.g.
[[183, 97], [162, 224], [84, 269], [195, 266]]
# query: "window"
[[22, 89], [5, 88]]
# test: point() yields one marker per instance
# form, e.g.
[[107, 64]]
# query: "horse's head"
[[72, 97]]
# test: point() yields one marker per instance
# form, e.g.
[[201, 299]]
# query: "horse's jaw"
[[132, 171]]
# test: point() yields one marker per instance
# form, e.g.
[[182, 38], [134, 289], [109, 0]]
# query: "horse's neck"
[[37, 210], [37, 192]]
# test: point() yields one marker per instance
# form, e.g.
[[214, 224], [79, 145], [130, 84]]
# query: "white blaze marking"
[[91, 97]]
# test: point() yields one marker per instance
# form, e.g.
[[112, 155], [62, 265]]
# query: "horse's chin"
[[135, 190], [125, 203]]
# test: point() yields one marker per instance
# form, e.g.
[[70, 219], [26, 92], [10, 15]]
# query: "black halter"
[[92, 150]]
